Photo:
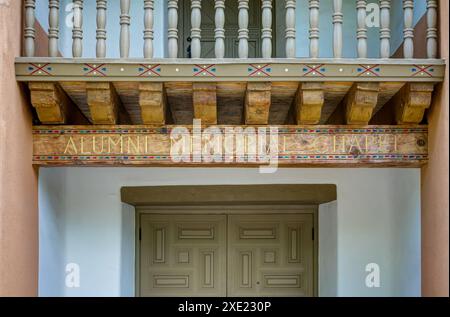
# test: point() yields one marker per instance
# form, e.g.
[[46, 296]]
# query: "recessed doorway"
[[227, 240], [229, 253]]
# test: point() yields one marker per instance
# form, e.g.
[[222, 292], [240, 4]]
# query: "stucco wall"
[[18, 179], [435, 185], [328, 255], [378, 220]]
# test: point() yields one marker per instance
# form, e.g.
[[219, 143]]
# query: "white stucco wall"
[[328, 256], [83, 221], [51, 236]]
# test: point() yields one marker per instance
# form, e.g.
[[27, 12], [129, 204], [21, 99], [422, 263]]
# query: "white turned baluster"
[[361, 33], [408, 30], [148, 28], [53, 27], [101, 29], [266, 33], [290, 28], [243, 28], [29, 30], [172, 28], [338, 19], [432, 28], [314, 28], [385, 30], [77, 31], [196, 31], [125, 20], [219, 32]]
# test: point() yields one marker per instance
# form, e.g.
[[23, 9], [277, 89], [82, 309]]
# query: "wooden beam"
[[411, 102], [360, 102], [257, 103], [309, 102], [282, 98], [335, 92], [387, 91], [201, 70], [52, 105], [152, 100], [297, 146], [204, 98], [103, 102], [179, 101], [230, 102]]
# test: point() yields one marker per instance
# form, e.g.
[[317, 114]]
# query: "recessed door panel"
[[183, 255], [270, 255]]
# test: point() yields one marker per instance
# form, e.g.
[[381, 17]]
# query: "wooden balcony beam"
[[412, 101], [204, 97], [309, 102], [152, 101], [104, 103], [257, 103], [213, 70], [361, 102], [52, 104]]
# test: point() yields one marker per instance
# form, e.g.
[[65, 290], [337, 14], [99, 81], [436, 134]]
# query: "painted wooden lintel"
[[144, 145]]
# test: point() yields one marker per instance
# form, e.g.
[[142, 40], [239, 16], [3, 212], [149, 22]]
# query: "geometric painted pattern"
[[259, 70], [95, 70], [424, 70], [314, 70], [149, 70], [39, 69], [32, 70], [369, 70], [204, 71]]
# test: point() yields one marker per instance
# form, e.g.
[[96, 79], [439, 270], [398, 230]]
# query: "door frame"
[[228, 210]]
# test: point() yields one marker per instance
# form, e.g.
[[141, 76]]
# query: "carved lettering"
[[71, 148], [231, 145]]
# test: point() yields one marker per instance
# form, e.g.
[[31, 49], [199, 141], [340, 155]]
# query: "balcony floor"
[[230, 79]]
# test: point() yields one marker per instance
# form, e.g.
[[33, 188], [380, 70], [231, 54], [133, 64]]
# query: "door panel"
[[231, 29], [183, 255], [270, 255]]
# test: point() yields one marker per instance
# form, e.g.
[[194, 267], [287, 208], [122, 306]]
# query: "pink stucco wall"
[[435, 206], [18, 179]]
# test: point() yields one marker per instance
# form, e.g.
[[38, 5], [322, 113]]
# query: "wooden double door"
[[226, 255]]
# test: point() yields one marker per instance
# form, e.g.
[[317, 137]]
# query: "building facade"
[[224, 148]]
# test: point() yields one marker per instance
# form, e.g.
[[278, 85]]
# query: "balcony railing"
[[266, 31]]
